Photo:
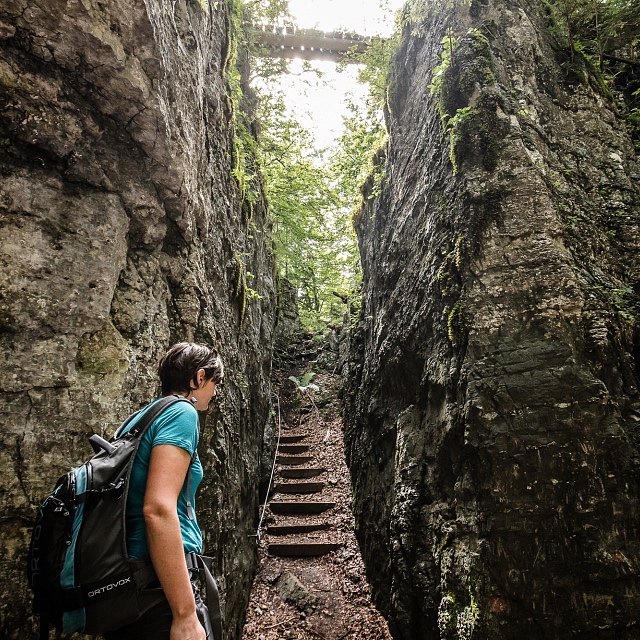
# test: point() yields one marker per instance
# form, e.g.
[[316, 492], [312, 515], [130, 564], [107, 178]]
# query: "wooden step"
[[293, 460], [299, 487], [293, 508], [301, 472], [289, 529], [293, 448], [303, 549], [292, 439]]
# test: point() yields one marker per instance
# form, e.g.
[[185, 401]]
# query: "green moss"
[[458, 616], [448, 274], [448, 612], [447, 279], [466, 65], [466, 69], [240, 289], [459, 254], [477, 132], [456, 327]]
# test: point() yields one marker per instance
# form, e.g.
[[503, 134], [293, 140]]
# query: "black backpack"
[[78, 566]]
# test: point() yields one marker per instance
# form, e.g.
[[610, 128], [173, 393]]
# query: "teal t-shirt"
[[178, 426]]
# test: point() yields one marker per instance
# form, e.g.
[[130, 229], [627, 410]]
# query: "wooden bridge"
[[307, 44]]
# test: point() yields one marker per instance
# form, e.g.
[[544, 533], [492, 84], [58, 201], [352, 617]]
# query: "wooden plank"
[[293, 460], [299, 487], [292, 439], [293, 448], [301, 472], [288, 529], [303, 549], [293, 508]]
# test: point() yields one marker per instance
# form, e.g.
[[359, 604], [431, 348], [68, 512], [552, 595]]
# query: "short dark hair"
[[180, 365]]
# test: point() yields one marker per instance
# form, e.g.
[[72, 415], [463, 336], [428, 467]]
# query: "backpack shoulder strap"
[[148, 416], [204, 563]]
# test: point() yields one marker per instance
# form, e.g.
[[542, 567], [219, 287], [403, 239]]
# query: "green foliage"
[[313, 196], [466, 66], [602, 38], [304, 385], [355, 157], [243, 168], [449, 43], [476, 132], [358, 164], [633, 119], [266, 13], [374, 63], [595, 28], [355, 306], [456, 326], [315, 243], [625, 302]]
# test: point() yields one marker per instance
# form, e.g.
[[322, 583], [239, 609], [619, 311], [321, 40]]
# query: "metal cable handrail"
[[273, 470]]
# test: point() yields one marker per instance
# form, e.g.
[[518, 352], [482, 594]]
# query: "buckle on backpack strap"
[[191, 558], [196, 561]]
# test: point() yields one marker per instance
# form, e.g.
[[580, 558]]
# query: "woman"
[[160, 521]]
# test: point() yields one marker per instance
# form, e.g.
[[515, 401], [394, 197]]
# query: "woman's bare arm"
[[167, 472]]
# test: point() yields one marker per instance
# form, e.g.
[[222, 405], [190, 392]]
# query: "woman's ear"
[[200, 377]]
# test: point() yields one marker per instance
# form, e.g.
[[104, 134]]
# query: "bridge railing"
[[308, 44]]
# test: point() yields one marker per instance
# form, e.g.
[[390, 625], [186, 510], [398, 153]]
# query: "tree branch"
[[606, 56]]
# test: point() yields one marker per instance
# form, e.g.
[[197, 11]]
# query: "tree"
[[314, 250], [599, 27]]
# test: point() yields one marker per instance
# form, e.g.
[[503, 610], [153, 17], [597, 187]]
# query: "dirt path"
[[327, 596]]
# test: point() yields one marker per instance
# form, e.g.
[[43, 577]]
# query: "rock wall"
[[288, 326], [122, 232], [491, 399]]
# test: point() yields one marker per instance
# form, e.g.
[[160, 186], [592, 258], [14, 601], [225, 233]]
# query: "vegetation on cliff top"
[[603, 37], [313, 195]]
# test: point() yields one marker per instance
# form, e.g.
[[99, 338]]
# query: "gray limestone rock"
[[293, 591], [288, 326], [491, 397], [122, 232]]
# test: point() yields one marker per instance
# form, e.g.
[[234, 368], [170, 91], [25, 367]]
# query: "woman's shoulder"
[[183, 410], [178, 424]]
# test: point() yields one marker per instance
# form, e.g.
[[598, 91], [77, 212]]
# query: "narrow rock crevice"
[[310, 581]]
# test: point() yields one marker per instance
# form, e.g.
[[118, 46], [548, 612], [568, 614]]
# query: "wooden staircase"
[[295, 537]]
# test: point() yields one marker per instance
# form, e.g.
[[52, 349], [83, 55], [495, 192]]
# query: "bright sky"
[[365, 17], [319, 103]]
